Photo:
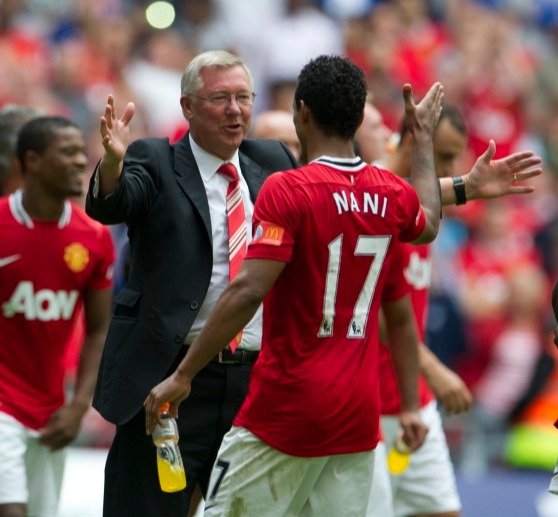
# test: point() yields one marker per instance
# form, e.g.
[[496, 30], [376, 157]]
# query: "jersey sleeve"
[[396, 285], [275, 220], [102, 276]]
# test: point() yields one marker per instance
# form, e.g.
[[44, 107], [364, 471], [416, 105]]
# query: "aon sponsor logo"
[[43, 305]]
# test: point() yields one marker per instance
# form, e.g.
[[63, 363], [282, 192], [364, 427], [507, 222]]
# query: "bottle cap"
[[164, 408]]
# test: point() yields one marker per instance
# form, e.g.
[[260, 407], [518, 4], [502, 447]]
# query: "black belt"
[[237, 357]]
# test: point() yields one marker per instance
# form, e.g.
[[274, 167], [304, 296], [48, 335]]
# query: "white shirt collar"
[[21, 216], [208, 163]]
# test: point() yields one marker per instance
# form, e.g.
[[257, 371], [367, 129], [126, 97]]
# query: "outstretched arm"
[[402, 336], [447, 386], [421, 120], [494, 178]]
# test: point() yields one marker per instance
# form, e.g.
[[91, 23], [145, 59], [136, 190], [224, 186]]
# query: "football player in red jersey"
[[427, 487], [55, 268], [321, 257]]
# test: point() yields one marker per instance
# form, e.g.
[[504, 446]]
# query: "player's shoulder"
[[388, 176], [4, 204], [80, 220], [6, 215]]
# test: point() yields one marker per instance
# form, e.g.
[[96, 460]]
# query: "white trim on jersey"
[[22, 217], [343, 164]]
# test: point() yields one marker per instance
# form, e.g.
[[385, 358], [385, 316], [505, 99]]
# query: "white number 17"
[[375, 246]]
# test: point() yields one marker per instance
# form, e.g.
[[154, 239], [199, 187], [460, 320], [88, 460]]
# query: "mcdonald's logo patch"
[[269, 233]]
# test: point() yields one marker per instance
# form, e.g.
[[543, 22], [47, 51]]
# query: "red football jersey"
[[417, 272], [314, 389], [45, 267]]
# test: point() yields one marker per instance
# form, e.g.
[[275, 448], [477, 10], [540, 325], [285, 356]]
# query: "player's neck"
[[40, 206], [330, 146]]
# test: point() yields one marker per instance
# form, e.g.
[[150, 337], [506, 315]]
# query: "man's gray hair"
[[191, 79]]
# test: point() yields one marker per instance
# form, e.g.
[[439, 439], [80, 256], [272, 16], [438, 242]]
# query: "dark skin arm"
[[401, 332], [447, 386], [234, 309], [64, 424], [421, 120]]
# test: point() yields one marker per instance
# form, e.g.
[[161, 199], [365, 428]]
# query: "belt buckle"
[[222, 359]]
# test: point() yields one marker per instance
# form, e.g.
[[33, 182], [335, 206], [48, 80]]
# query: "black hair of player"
[[37, 134], [334, 89]]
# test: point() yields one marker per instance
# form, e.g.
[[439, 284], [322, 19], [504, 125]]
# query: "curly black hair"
[[334, 89]]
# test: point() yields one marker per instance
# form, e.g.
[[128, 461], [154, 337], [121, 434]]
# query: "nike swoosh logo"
[[8, 260]]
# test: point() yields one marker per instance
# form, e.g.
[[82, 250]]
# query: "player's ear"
[[31, 161], [186, 105], [303, 111]]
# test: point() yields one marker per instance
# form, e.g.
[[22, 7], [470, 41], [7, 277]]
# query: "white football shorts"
[[29, 472], [380, 503], [251, 478], [428, 484]]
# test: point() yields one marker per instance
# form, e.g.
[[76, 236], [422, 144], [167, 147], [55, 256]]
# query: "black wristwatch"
[[459, 188]]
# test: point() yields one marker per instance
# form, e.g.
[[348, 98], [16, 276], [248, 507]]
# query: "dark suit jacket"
[[162, 199]]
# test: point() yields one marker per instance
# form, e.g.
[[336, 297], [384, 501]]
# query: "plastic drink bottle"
[[169, 460], [398, 456]]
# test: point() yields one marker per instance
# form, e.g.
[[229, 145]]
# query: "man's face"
[[219, 128], [61, 168], [449, 145], [372, 135]]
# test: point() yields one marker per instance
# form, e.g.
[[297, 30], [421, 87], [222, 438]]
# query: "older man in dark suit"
[[174, 199]]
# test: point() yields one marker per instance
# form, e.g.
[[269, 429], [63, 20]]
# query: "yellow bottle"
[[172, 477], [399, 457]]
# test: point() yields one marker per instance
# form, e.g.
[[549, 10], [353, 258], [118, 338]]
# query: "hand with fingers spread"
[[116, 136], [423, 117], [116, 131], [421, 120], [494, 178]]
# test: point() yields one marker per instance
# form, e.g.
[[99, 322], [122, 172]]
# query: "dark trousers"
[[131, 484]]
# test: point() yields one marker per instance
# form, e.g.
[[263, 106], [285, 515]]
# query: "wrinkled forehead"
[[232, 78]]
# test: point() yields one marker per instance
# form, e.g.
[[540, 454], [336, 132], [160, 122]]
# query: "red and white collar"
[[22, 217]]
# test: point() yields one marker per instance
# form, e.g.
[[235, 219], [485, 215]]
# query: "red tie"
[[236, 219]]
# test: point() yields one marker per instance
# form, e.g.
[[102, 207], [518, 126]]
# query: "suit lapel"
[[253, 175], [190, 181]]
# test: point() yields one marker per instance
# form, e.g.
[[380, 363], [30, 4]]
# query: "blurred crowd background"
[[494, 262]]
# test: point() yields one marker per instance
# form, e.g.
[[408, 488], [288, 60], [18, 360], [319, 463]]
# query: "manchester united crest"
[[76, 256]]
